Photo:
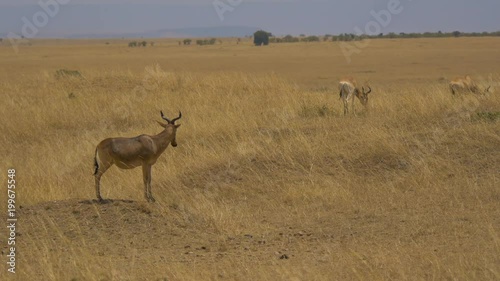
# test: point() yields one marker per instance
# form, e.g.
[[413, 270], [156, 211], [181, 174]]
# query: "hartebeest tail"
[[96, 164], [128, 153]]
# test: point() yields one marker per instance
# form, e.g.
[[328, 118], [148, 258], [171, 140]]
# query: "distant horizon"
[[145, 34], [127, 35]]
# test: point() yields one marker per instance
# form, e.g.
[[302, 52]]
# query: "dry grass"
[[269, 180]]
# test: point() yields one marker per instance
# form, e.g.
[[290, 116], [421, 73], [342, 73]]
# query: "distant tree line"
[[262, 37], [292, 39], [313, 38], [139, 44], [438, 34], [391, 35]]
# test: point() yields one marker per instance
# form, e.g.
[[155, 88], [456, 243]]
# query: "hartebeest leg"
[[100, 168], [98, 186], [352, 106], [146, 175], [98, 176]]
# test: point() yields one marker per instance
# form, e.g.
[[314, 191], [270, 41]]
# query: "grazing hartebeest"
[[465, 84], [128, 153], [348, 89]]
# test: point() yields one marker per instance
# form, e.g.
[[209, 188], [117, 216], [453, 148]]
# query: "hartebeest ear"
[[177, 126], [161, 124]]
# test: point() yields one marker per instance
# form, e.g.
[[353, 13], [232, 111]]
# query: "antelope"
[[128, 153], [348, 89], [466, 84]]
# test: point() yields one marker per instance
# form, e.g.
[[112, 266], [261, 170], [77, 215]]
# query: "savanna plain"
[[269, 181]]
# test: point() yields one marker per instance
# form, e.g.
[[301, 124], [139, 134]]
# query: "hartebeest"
[[349, 89], [128, 153], [465, 84]]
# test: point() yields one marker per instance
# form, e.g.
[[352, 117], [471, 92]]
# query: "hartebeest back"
[[348, 89], [128, 153], [465, 84]]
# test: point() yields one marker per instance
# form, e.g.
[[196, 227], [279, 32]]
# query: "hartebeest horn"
[[177, 118], [170, 121], [165, 118], [369, 90]]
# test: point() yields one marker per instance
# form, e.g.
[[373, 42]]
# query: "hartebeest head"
[[171, 126], [363, 95]]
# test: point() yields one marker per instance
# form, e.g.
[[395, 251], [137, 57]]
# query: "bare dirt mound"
[[129, 240], [57, 236]]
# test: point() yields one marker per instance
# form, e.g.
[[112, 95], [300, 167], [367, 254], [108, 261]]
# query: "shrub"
[[206, 41], [487, 116], [137, 44], [290, 39], [311, 39]]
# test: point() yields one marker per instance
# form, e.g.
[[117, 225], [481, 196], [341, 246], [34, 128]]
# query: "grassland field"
[[270, 181]]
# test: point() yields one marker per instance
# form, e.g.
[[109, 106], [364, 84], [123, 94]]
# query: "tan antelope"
[[464, 85], [128, 153], [348, 90]]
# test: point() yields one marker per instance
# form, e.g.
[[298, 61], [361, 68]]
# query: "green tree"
[[261, 37]]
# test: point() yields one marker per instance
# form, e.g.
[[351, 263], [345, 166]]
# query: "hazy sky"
[[277, 16]]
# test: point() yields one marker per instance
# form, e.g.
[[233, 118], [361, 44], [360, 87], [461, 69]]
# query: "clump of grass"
[[62, 73], [487, 116]]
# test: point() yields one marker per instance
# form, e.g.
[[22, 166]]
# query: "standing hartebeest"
[[128, 153], [348, 89], [465, 84]]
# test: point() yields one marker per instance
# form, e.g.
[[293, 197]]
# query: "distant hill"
[[217, 31]]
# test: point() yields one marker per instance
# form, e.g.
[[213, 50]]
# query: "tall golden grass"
[[404, 189]]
